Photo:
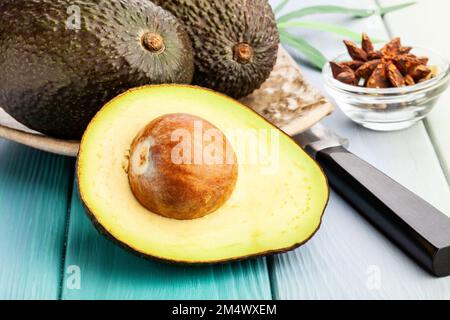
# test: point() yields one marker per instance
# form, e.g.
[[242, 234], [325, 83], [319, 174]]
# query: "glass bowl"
[[390, 109]]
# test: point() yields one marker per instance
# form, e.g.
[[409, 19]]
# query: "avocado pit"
[[170, 169]]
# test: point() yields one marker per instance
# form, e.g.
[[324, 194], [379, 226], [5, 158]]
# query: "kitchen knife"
[[418, 228]]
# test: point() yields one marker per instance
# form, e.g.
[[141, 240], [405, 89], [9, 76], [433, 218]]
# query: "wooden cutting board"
[[285, 99]]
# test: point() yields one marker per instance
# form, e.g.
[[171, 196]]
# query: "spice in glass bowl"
[[392, 66]]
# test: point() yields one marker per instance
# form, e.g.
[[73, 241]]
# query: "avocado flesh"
[[271, 212], [218, 29], [62, 60]]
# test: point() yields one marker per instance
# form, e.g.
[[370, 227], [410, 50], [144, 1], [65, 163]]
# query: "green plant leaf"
[[322, 10], [356, 13], [356, 36], [384, 10], [280, 7], [314, 56], [347, 33]]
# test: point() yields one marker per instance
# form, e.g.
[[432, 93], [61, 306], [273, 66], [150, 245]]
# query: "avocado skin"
[[54, 79], [215, 27]]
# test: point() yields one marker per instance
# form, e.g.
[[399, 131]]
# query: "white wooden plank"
[[426, 25], [349, 258]]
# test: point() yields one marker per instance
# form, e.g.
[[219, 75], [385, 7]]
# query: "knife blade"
[[418, 228], [318, 138]]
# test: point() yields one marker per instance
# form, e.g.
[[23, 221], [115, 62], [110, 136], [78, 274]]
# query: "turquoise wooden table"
[[49, 250]]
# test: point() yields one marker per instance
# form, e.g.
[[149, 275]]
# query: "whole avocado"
[[62, 60], [235, 42]]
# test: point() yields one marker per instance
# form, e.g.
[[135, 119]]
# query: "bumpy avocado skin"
[[55, 76], [215, 27]]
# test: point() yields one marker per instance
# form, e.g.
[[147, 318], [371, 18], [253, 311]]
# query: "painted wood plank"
[[426, 25], [349, 258], [109, 272], [34, 190]]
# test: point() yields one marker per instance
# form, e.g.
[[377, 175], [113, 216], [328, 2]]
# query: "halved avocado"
[[276, 202]]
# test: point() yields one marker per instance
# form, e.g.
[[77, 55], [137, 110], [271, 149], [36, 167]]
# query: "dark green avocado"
[[235, 42], [61, 60]]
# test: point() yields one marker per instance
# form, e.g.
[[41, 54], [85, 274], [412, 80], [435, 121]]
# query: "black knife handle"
[[418, 228]]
